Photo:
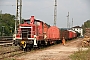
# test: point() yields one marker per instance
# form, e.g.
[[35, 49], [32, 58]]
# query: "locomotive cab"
[[26, 36]]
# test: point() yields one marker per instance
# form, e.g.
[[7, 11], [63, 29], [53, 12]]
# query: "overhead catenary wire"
[[7, 5], [38, 9]]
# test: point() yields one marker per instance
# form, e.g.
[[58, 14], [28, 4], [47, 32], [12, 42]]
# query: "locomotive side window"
[[28, 21], [38, 23]]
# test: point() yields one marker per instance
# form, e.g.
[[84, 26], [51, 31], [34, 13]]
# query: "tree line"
[[7, 24], [86, 25]]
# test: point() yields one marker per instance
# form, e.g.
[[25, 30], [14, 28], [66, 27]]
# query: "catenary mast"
[[68, 24], [19, 10], [18, 13], [55, 12], [72, 22]]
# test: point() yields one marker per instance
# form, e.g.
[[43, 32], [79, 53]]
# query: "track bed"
[[55, 52]]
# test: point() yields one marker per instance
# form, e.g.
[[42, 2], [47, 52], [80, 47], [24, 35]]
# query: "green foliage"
[[6, 20], [81, 55], [86, 25]]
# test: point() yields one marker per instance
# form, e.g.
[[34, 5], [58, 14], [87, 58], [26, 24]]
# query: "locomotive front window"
[[25, 32]]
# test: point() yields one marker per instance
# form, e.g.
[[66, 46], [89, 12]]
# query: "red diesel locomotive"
[[31, 33], [34, 33]]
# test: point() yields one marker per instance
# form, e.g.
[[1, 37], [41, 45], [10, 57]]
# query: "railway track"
[[9, 52], [6, 40]]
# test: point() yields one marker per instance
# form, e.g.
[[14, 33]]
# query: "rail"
[[6, 40]]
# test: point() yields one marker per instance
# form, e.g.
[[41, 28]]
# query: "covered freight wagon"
[[70, 34], [64, 33], [53, 33]]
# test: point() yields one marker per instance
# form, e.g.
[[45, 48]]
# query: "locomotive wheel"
[[25, 49], [24, 46]]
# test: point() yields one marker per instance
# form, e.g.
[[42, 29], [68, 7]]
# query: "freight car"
[[36, 33], [55, 34]]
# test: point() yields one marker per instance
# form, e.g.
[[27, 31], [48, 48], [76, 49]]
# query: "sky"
[[79, 10]]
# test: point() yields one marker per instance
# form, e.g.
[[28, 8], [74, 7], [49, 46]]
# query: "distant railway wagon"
[[64, 33], [36, 33], [55, 33]]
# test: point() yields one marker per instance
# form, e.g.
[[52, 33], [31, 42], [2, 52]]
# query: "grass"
[[8, 59], [81, 55]]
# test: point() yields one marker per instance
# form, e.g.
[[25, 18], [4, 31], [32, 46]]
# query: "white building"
[[78, 29]]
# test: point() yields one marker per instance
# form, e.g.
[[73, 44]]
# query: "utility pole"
[[55, 12], [72, 22], [68, 21], [3, 30], [18, 13], [11, 30], [1, 14], [0, 19], [19, 10]]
